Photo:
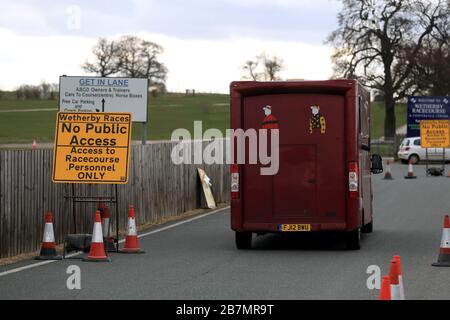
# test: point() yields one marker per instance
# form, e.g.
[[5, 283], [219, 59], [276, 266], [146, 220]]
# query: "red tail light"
[[234, 181], [353, 180]]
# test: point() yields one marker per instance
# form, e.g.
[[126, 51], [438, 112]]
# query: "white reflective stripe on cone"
[[97, 237], [395, 292], [105, 226], [445, 241], [132, 227], [48, 233], [402, 288], [410, 168]]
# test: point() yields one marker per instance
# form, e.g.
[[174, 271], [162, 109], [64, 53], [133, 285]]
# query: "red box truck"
[[323, 182]]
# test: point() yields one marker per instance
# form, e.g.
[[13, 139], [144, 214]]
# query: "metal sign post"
[[435, 134], [113, 199], [93, 134], [434, 171], [92, 148]]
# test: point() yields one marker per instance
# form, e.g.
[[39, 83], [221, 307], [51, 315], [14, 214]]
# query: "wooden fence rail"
[[157, 188]]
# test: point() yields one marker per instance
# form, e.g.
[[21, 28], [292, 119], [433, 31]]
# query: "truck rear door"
[[310, 186]]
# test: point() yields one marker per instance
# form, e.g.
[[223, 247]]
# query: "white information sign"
[[96, 94]]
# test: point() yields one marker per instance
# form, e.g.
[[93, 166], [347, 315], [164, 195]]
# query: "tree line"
[[43, 91], [131, 56], [127, 56]]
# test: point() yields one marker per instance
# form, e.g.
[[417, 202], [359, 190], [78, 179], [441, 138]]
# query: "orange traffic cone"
[[444, 252], [131, 241], [97, 252], [48, 248], [410, 171], [106, 229], [395, 284], [385, 292], [388, 174], [400, 277]]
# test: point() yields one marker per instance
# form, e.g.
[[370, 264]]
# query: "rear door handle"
[[312, 181]]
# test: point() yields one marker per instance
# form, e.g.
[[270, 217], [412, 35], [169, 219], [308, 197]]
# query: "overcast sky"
[[205, 42]]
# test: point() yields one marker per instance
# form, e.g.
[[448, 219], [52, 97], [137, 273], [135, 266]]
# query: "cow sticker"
[[317, 120], [269, 122]]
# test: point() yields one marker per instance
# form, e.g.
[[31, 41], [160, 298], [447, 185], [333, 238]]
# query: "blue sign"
[[425, 108]]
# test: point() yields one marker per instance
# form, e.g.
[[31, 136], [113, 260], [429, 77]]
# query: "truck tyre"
[[368, 228], [352, 239], [243, 240]]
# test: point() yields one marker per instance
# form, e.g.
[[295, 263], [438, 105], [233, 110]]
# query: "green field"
[[377, 126], [166, 113]]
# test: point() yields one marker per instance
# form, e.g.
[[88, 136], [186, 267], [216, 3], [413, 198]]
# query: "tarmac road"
[[198, 260]]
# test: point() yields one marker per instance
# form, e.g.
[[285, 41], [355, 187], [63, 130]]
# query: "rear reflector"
[[353, 179], [234, 181]]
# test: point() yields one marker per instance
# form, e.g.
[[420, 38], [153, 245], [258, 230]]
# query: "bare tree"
[[45, 89], [107, 58], [263, 67], [272, 67], [431, 73], [249, 68], [129, 55], [371, 38], [54, 91], [28, 92], [152, 69], [140, 60]]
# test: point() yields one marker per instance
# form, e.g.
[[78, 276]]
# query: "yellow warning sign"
[[92, 148], [435, 133]]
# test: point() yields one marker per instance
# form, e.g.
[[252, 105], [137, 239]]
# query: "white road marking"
[[34, 265], [181, 222]]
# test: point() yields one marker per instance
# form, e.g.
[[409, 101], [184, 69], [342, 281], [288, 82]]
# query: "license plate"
[[294, 227]]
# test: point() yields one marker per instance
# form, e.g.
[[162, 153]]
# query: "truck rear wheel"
[[243, 240], [368, 228], [352, 239]]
